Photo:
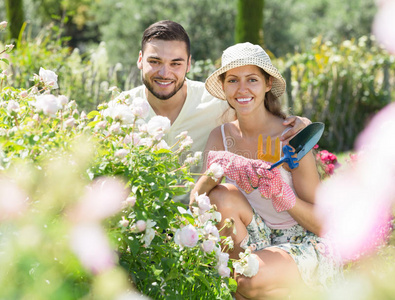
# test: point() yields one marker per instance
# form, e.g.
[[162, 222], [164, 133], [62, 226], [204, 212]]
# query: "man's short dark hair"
[[168, 31]]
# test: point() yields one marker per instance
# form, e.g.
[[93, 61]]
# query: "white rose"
[[13, 106], [208, 246], [203, 202], [215, 171], [140, 108], [49, 78], [48, 104], [158, 126], [70, 122], [63, 100]]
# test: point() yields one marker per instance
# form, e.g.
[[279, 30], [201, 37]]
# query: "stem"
[[16, 121], [180, 168], [175, 144]]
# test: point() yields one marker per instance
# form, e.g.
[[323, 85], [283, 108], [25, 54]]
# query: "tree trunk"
[[249, 21], [15, 17]]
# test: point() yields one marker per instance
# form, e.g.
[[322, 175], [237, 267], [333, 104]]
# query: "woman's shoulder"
[[279, 128], [215, 140]]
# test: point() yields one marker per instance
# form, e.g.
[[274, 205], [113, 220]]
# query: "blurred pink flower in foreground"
[[12, 200], [103, 198], [91, 246], [384, 24], [356, 204]]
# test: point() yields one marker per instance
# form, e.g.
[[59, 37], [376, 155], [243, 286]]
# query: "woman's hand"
[[237, 168], [297, 123], [272, 186]]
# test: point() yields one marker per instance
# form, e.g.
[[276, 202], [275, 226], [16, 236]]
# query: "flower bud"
[[130, 201], [63, 100], [23, 94], [141, 225], [3, 25], [121, 153], [124, 222], [9, 47], [70, 122]]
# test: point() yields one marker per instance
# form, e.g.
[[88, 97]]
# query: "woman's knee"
[[276, 277], [253, 288], [226, 196]]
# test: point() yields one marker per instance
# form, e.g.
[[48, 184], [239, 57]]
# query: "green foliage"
[[249, 21], [86, 78], [16, 16], [287, 25], [291, 25], [122, 28], [340, 85]]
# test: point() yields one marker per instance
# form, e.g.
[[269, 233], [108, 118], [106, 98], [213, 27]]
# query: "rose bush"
[[88, 198]]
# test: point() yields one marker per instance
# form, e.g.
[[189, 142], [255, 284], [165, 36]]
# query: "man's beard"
[[159, 96]]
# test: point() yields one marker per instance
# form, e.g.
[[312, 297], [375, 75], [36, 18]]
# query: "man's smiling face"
[[164, 65]]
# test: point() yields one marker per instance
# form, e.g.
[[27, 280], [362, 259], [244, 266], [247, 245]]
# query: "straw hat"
[[242, 55]]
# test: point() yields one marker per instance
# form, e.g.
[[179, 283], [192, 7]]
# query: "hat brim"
[[214, 84]]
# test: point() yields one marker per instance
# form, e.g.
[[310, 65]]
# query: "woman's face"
[[245, 88]]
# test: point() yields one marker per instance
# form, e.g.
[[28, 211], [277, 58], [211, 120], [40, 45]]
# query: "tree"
[[15, 17], [249, 21]]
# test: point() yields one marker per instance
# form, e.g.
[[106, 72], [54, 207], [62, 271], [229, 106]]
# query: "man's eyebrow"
[[158, 58], [153, 57]]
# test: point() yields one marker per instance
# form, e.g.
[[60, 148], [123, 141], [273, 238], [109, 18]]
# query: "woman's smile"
[[244, 100]]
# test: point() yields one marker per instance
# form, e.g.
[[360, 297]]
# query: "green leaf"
[[92, 114], [157, 272], [5, 60], [203, 279], [173, 274], [134, 246], [232, 284]]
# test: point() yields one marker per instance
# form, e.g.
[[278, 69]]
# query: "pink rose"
[[223, 271], [208, 246], [187, 236]]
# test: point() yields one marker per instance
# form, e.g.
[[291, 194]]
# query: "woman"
[[276, 219]]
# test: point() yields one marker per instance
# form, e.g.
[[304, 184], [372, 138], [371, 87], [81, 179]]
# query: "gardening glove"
[[272, 186], [237, 168]]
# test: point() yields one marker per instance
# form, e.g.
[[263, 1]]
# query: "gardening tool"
[[302, 143], [268, 156]]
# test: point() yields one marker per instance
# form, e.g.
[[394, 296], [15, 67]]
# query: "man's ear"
[[140, 60], [189, 63], [269, 84]]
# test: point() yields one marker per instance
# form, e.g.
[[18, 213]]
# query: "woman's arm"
[[306, 180], [205, 183]]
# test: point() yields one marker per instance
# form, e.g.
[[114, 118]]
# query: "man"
[[164, 61]]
